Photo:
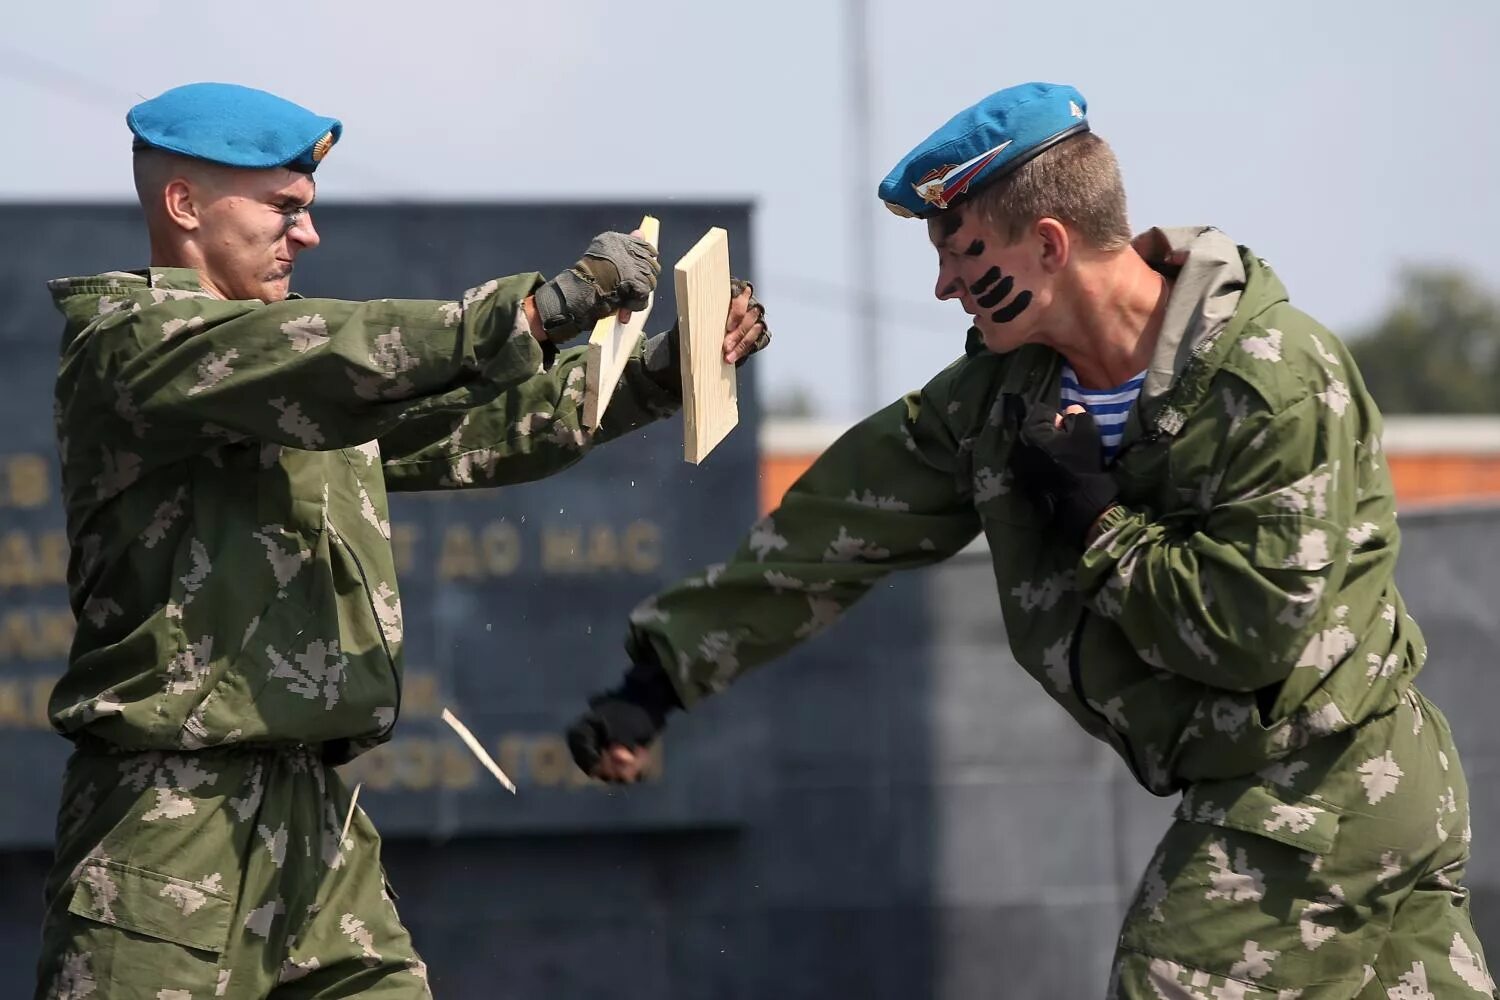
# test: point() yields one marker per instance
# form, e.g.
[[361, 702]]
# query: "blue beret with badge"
[[982, 143], [233, 125]]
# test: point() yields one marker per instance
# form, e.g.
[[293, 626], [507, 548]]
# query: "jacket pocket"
[[1298, 542], [191, 914], [1264, 810], [233, 706]]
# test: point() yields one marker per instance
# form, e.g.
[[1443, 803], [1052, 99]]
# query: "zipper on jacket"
[[1075, 674]]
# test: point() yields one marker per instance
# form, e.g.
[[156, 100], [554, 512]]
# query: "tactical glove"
[[616, 272], [1061, 467], [631, 715]]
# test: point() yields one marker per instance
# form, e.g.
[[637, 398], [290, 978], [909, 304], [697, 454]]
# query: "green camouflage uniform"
[[1234, 633], [225, 468]]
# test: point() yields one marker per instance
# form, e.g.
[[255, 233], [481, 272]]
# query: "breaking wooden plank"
[[478, 750], [710, 393], [610, 346]]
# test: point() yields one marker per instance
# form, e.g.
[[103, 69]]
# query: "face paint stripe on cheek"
[[1000, 293], [985, 280], [1013, 310]]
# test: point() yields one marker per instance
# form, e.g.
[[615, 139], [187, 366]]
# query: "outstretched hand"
[[745, 330], [617, 273], [612, 740]]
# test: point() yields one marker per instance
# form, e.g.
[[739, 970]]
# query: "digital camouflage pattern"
[[225, 470], [1234, 619], [1334, 873], [218, 873]]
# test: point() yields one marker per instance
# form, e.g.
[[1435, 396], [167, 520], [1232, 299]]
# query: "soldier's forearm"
[[317, 373], [533, 319]]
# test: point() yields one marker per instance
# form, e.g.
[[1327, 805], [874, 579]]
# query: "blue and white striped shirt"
[[1109, 407]]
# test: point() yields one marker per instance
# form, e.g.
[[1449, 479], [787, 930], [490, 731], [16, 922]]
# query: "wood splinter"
[[611, 345], [478, 751]]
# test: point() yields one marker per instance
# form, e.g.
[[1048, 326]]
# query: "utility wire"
[[33, 70]]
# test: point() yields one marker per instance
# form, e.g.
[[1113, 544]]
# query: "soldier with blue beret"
[[234, 126], [983, 143], [227, 450], [1180, 480]]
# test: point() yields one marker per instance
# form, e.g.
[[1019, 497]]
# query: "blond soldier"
[[226, 449]]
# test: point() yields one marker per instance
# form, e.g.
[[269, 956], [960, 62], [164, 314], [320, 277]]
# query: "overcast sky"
[[1339, 139]]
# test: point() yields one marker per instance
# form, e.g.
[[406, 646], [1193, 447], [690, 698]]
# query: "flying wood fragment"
[[350, 814], [478, 751]]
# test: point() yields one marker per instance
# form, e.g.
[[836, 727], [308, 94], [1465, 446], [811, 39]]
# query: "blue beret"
[[982, 143], [233, 125]]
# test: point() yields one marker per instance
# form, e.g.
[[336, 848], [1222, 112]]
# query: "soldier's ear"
[[1055, 243], [180, 203]]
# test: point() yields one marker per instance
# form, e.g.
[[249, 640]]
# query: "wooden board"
[[610, 346], [710, 393]]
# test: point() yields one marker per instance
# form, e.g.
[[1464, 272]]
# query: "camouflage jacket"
[[225, 468], [1238, 605]]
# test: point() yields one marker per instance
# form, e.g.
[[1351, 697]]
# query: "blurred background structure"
[[897, 810]]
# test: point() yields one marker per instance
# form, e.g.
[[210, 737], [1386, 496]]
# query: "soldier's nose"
[[305, 233]]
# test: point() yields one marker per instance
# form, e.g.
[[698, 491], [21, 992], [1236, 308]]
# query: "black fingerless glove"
[[1061, 467], [631, 715]]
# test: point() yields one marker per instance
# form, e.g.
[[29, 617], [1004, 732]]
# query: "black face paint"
[[986, 279], [1013, 310], [1004, 284], [999, 294]]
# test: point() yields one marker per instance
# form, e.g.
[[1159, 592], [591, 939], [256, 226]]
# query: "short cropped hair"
[[1076, 182]]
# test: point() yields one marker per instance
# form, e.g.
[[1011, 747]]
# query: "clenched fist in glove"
[[610, 740], [1058, 461], [617, 271]]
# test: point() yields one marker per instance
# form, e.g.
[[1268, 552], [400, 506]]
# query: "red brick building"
[[1434, 460]]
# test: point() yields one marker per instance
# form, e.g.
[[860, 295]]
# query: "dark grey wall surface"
[[896, 811]]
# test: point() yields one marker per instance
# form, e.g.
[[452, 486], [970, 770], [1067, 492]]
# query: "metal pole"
[[862, 278]]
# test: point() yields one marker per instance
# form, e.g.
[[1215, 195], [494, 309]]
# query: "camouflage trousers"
[[218, 873], [1336, 873]]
